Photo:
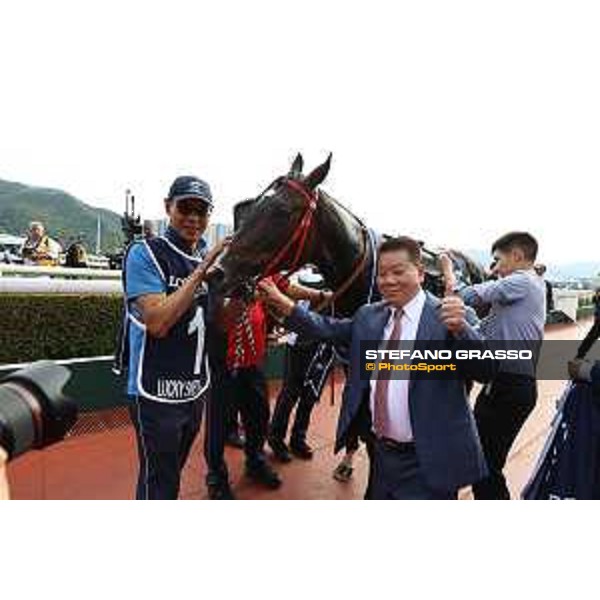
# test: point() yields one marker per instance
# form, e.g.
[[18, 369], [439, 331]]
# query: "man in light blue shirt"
[[516, 318]]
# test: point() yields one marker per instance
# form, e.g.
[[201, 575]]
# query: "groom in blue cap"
[[165, 283]]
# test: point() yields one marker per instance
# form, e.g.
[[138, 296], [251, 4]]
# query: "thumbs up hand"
[[447, 269], [452, 314]]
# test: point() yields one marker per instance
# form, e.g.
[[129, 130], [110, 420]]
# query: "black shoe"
[[301, 449], [235, 439], [219, 488], [263, 474], [280, 450]]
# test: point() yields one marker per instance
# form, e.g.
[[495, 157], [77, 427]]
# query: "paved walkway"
[[103, 464]]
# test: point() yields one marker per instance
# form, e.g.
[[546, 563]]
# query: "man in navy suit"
[[423, 432]]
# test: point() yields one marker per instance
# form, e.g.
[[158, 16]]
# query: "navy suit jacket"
[[445, 434], [595, 376]]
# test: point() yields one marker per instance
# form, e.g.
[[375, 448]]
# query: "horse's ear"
[[296, 168], [318, 175]]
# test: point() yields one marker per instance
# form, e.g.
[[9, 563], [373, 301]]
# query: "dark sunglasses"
[[188, 206]]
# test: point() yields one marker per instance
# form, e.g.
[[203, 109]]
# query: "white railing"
[[63, 272], [66, 362], [567, 301], [23, 279], [46, 285]]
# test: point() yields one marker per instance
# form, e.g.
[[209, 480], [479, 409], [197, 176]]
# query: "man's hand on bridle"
[[271, 295], [207, 268]]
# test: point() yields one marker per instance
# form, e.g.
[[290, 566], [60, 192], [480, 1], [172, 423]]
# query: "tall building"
[[157, 226], [216, 232]]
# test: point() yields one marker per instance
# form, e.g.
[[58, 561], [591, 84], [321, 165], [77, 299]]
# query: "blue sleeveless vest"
[[175, 368]]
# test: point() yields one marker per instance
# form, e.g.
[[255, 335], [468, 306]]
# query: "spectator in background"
[[76, 256], [39, 249]]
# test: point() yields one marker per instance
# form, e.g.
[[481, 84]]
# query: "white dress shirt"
[[397, 397]]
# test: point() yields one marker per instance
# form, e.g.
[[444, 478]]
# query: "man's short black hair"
[[403, 242], [517, 239]]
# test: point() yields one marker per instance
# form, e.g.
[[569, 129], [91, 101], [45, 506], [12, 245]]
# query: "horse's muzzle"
[[222, 284], [215, 276]]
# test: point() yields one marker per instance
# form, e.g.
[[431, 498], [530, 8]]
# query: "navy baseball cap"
[[188, 186]]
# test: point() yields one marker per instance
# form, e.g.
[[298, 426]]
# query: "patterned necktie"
[[381, 414]]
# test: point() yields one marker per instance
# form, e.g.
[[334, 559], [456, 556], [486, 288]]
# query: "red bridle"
[[300, 233]]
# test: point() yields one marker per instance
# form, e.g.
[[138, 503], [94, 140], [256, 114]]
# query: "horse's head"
[[272, 232]]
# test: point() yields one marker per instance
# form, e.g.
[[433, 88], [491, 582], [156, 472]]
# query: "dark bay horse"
[[293, 223]]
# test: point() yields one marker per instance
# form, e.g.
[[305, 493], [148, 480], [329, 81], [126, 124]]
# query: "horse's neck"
[[338, 248]]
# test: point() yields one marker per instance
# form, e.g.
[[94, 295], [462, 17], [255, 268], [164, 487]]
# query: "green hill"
[[64, 216]]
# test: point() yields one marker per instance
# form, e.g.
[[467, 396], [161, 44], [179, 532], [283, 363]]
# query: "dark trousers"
[[352, 442], [165, 433], [293, 392], [218, 408], [232, 419], [396, 475], [501, 410], [226, 417], [246, 390]]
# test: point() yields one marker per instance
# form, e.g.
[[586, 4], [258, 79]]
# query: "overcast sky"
[[452, 121]]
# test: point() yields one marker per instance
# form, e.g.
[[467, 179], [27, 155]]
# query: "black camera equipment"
[[34, 411], [131, 224], [132, 228]]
